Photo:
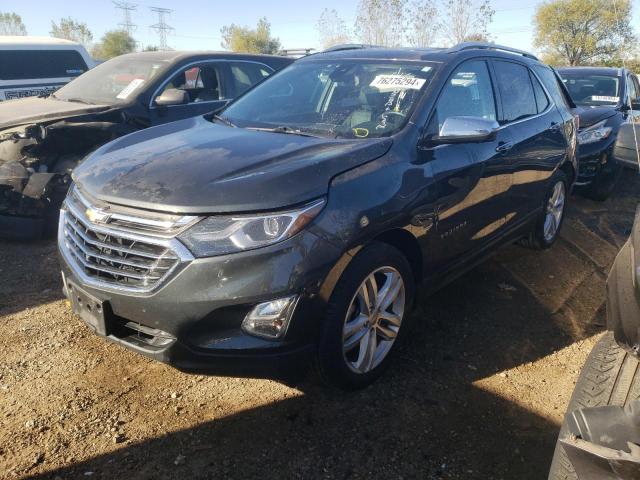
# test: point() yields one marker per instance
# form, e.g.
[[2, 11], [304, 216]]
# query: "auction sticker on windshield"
[[128, 90], [601, 98], [397, 82]]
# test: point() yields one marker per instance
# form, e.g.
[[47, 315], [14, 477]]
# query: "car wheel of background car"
[[550, 221], [610, 376], [605, 182], [366, 317]]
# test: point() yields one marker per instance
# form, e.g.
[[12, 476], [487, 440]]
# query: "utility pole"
[[162, 27], [126, 7]]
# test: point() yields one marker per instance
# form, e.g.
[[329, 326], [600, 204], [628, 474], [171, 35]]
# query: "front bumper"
[[623, 293], [593, 159], [192, 321]]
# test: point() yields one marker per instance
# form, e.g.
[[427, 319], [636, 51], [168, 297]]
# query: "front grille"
[[105, 256]]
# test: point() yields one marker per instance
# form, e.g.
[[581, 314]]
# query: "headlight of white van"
[[222, 234], [594, 133]]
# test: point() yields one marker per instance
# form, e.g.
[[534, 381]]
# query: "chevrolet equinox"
[[292, 227]]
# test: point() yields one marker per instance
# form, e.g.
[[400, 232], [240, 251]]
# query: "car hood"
[[589, 116], [195, 166], [35, 110]]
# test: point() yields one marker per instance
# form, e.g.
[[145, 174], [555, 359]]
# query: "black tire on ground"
[[536, 239], [610, 376], [605, 182], [330, 361]]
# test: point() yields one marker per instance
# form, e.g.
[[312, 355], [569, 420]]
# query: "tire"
[[605, 182], [610, 376], [538, 239], [338, 365]]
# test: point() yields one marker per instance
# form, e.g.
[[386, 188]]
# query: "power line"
[[126, 7], [162, 28]]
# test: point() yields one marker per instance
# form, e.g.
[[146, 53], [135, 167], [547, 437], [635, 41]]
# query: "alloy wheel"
[[373, 320], [555, 211]]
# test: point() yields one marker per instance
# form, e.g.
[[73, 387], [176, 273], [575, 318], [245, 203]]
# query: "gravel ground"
[[478, 391]]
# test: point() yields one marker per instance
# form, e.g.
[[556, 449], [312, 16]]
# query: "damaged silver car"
[[43, 139]]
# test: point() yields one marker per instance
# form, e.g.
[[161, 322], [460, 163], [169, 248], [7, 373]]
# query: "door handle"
[[504, 147]]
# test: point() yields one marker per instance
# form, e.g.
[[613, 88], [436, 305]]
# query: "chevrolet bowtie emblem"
[[96, 216]]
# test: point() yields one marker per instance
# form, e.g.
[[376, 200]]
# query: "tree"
[[466, 20], [245, 39], [11, 24], [423, 30], [332, 29], [114, 43], [583, 31], [71, 29], [381, 22], [151, 48]]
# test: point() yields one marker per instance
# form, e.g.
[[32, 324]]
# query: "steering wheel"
[[391, 113]]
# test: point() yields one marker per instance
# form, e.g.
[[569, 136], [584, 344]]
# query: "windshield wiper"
[[283, 129], [224, 120], [78, 100]]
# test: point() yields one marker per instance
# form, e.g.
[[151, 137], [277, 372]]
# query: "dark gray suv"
[[294, 225]]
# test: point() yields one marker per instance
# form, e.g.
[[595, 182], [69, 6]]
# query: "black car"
[[43, 139], [605, 98], [295, 226]]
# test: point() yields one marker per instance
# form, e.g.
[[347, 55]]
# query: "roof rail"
[[348, 46], [490, 46]]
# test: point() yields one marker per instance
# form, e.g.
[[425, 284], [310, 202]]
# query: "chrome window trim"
[[183, 255], [191, 64]]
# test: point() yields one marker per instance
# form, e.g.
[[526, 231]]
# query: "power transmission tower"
[[162, 27], [126, 7]]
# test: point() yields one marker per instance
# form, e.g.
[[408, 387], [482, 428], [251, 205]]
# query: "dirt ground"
[[478, 392]]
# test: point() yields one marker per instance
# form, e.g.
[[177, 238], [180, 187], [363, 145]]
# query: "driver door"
[[471, 179], [204, 86]]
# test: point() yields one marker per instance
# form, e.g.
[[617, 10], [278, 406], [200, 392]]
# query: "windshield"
[[116, 81], [344, 99], [592, 90]]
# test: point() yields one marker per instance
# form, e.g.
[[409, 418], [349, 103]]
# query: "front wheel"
[[366, 316], [549, 223]]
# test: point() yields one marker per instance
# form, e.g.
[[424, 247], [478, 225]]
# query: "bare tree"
[[423, 27], [332, 29], [71, 29], [11, 24], [381, 22], [465, 20]]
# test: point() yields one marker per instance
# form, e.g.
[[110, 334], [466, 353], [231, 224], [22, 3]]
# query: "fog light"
[[270, 319]]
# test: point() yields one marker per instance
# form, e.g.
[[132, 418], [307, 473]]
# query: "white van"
[[31, 66]]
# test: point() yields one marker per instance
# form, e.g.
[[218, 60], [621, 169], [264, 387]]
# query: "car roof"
[[593, 70], [18, 41], [179, 55], [444, 55]]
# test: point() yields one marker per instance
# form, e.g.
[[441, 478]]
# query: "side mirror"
[[172, 96], [466, 130], [626, 148]]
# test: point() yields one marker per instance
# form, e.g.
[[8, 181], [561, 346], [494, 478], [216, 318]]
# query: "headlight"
[[594, 133], [219, 235]]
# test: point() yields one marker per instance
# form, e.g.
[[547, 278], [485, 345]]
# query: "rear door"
[[535, 126], [472, 179], [26, 73]]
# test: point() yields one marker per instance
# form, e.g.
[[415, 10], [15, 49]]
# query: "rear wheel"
[[366, 317], [610, 376], [549, 223]]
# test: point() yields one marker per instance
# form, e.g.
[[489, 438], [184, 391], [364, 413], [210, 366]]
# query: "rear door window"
[[33, 64], [244, 75], [516, 91]]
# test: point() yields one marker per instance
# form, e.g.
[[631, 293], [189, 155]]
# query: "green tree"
[[151, 48], [11, 24], [245, 39], [382, 22], [332, 29], [466, 20], [582, 32], [114, 43], [71, 29]]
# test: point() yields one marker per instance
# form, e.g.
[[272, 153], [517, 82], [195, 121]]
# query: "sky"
[[197, 23]]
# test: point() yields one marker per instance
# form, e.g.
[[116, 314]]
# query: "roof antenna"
[[624, 65]]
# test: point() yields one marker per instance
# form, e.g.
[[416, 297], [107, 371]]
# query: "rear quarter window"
[[552, 85], [30, 64]]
